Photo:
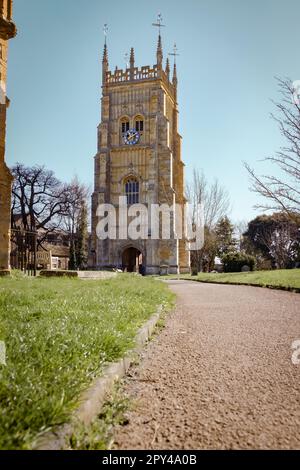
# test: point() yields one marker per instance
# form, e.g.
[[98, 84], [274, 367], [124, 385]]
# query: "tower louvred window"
[[132, 190], [124, 126], [139, 125]]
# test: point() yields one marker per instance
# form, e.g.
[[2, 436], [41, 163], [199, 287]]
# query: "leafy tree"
[[72, 260], [276, 237], [82, 238], [224, 236]]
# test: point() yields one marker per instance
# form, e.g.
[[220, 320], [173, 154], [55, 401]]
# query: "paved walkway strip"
[[220, 375]]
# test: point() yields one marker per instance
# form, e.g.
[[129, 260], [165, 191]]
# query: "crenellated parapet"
[[142, 74], [120, 75], [146, 73]]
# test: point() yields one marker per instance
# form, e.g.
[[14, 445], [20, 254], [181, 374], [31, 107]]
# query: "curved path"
[[220, 375]]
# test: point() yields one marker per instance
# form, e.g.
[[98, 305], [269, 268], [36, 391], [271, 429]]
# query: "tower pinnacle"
[[132, 64], [175, 80], [168, 68], [132, 58], [105, 56], [159, 54], [174, 54]]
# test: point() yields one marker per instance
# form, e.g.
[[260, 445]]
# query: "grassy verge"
[[282, 278], [99, 435], [59, 333]]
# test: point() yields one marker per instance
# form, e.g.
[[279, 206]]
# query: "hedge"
[[46, 273], [235, 261]]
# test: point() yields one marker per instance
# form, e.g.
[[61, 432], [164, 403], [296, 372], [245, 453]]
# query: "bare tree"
[[78, 195], [213, 198], [240, 227], [283, 192], [214, 201], [39, 199]]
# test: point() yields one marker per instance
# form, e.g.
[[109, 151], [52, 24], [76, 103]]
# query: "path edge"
[[93, 398], [295, 290]]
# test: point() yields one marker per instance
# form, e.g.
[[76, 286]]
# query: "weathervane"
[[105, 31], [175, 52], [159, 24], [126, 58]]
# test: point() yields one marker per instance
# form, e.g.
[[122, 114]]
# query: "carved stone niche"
[[131, 167], [8, 29], [154, 103], [103, 135]]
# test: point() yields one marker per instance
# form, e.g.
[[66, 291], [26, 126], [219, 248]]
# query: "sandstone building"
[[139, 157], [7, 31], [52, 248]]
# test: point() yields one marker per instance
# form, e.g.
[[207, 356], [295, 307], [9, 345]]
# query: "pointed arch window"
[[132, 190]]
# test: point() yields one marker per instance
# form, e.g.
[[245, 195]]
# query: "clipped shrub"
[[46, 273], [236, 261]]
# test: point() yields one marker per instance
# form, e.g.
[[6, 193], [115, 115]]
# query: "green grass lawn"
[[277, 278], [59, 333]]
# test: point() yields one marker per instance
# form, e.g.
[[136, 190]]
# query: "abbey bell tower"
[[139, 157]]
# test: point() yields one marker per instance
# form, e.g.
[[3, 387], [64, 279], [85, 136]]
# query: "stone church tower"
[[7, 31], [139, 157]]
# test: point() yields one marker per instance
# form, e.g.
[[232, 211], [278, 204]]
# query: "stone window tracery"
[[132, 190]]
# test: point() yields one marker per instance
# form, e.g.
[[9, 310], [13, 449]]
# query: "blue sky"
[[230, 51]]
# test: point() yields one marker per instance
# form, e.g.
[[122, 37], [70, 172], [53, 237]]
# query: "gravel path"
[[220, 374]]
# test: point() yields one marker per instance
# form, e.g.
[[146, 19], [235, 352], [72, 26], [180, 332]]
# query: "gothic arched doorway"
[[132, 260]]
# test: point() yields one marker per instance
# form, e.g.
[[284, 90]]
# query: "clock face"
[[131, 137]]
